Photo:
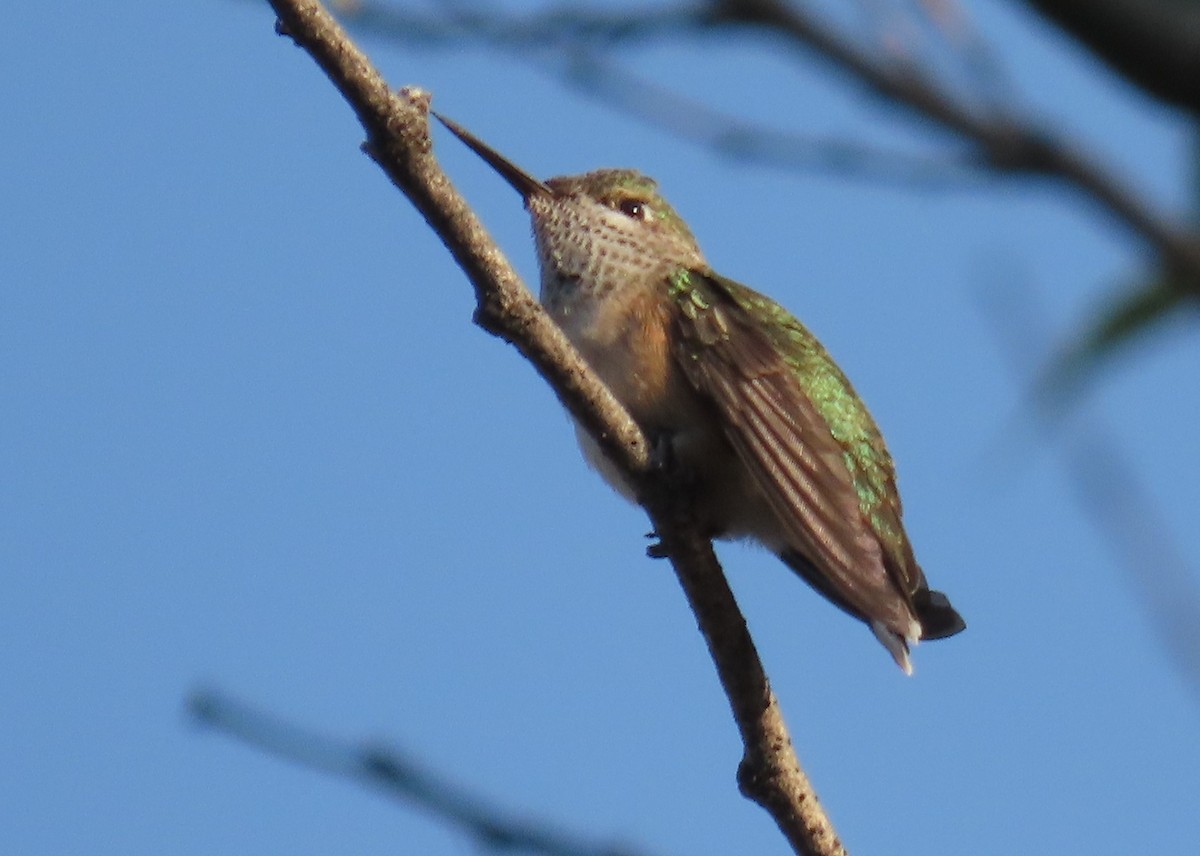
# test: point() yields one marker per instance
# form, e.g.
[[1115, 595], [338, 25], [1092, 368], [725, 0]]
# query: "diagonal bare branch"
[[740, 140], [392, 773], [397, 129]]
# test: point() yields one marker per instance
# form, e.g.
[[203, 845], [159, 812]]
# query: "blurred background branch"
[[1107, 488], [390, 772]]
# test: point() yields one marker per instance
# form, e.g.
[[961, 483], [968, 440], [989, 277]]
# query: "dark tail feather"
[[938, 618]]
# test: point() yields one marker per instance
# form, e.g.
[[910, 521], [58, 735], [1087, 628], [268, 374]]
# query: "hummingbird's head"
[[610, 218], [598, 231]]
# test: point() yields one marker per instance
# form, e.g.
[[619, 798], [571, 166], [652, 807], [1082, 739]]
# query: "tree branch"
[[741, 140], [398, 140], [392, 773]]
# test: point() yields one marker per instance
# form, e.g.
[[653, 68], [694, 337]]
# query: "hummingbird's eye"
[[634, 208]]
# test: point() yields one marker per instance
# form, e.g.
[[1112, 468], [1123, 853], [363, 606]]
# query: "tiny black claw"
[[657, 551]]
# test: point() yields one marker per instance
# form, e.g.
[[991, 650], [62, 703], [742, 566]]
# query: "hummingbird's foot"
[[656, 550]]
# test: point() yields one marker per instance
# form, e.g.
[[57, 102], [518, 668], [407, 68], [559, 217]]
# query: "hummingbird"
[[775, 444]]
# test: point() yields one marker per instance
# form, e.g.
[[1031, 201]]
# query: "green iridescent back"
[[865, 454]]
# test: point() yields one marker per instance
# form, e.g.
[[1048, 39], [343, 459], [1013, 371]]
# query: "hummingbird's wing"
[[808, 442]]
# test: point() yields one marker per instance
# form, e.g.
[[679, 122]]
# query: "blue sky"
[[251, 441]]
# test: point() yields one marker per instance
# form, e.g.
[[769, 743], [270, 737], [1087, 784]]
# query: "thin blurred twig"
[[956, 28], [740, 140], [393, 774], [1108, 490]]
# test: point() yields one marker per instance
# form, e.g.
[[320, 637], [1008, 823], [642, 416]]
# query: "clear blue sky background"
[[250, 440]]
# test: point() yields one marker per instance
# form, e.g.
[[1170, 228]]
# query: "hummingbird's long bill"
[[524, 183]]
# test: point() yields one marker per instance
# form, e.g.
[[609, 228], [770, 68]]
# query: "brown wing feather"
[[794, 459]]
